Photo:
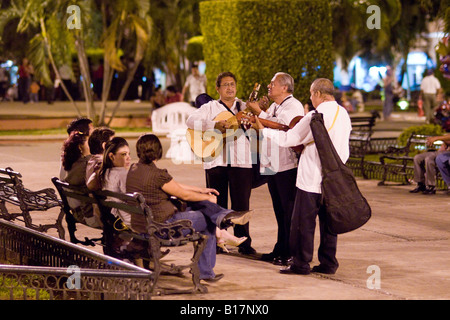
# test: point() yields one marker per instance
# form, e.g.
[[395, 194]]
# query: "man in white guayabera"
[[231, 169], [285, 109]]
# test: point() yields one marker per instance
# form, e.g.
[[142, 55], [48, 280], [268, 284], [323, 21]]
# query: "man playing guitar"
[[282, 160], [231, 170]]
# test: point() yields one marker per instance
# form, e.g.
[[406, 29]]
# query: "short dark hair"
[[148, 148], [98, 136], [223, 75], [79, 124]]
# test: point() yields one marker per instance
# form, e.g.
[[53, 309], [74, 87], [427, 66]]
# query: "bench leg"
[[71, 227], [155, 255], [363, 172], [383, 179], [4, 211], [158, 268], [199, 246], [59, 226]]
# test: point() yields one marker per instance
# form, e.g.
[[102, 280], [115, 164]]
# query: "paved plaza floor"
[[402, 253]]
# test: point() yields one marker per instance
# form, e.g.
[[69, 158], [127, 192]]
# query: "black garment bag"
[[346, 207]]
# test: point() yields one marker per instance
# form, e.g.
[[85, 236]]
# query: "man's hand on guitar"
[[222, 126], [254, 107], [264, 103], [257, 124]]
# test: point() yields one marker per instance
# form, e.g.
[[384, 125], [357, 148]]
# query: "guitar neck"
[[273, 125]]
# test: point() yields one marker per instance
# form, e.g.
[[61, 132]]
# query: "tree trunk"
[[84, 68], [55, 68], [124, 90]]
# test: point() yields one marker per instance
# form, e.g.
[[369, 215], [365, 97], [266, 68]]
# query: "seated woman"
[[112, 176], [75, 155], [157, 186]]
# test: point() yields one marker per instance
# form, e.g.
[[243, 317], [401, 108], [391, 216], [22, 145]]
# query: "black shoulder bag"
[[346, 207]]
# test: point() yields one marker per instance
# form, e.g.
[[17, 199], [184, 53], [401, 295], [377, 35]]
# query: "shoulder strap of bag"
[[332, 124], [238, 107], [328, 155]]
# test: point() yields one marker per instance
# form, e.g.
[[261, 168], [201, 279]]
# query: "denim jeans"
[[205, 216], [442, 162]]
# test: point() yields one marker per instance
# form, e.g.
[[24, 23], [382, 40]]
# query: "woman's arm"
[[198, 189], [175, 189], [94, 182]]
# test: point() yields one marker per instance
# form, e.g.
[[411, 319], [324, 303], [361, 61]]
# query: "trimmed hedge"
[[254, 39], [194, 51]]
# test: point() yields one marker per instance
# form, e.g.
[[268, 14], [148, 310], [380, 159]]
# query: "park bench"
[[13, 191], [143, 240], [364, 123], [359, 147], [399, 160], [74, 200], [157, 236]]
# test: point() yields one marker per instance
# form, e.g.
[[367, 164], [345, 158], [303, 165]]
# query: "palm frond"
[[110, 45], [37, 54]]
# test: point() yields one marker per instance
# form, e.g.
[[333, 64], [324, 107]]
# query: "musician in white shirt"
[[429, 88], [282, 160], [231, 170], [309, 176]]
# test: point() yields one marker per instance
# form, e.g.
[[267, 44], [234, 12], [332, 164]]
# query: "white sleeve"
[[201, 119]]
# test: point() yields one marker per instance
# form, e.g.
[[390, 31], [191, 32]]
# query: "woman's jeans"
[[205, 217]]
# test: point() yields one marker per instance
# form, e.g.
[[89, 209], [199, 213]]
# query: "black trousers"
[[238, 182], [282, 191], [306, 208]]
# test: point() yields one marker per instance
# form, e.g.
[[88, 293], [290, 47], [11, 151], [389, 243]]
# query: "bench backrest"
[[10, 177], [130, 207], [418, 143], [364, 123], [8, 181], [168, 234], [359, 143], [76, 200]]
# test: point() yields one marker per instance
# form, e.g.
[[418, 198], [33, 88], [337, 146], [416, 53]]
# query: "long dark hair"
[[148, 148], [71, 151], [111, 147]]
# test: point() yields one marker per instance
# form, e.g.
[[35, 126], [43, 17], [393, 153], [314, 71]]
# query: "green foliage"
[[426, 129], [255, 39], [194, 51]]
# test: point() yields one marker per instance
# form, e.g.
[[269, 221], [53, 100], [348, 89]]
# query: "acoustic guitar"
[[208, 145], [246, 119]]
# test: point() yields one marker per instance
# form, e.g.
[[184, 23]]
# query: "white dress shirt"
[[196, 84], [236, 152], [273, 156], [430, 85], [309, 174]]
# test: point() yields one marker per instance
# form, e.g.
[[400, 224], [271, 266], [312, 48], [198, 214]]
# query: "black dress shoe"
[[420, 187], [279, 261], [269, 257], [216, 278], [322, 269], [294, 270], [429, 190], [247, 250]]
